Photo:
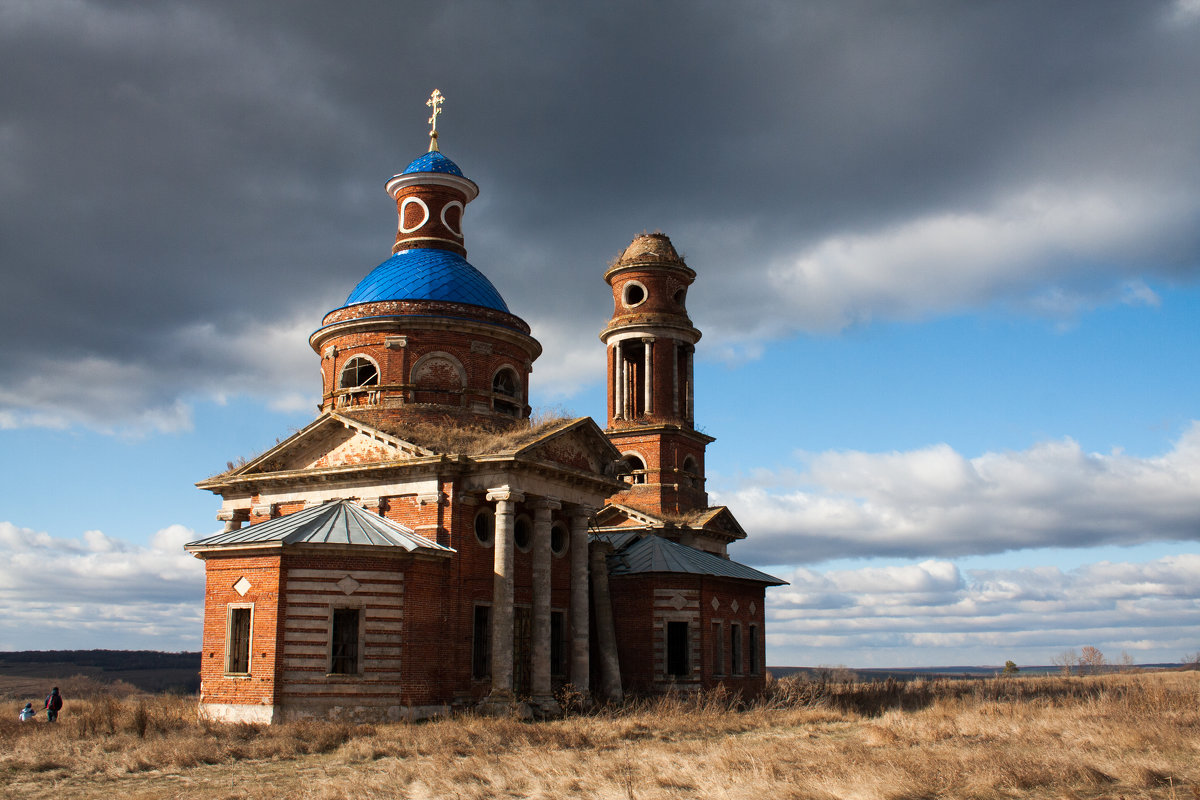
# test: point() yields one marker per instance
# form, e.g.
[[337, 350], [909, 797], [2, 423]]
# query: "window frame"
[[230, 610], [752, 649], [359, 636], [481, 642], [685, 655], [735, 648], [717, 634], [341, 376]]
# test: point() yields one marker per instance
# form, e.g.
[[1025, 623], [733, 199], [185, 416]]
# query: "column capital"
[[549, 503], [577, 510], [505, 493], [647, 340]]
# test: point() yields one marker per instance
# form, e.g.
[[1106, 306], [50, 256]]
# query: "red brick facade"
[[388, 630]]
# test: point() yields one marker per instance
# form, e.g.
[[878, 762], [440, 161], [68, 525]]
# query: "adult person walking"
[[53, 705]]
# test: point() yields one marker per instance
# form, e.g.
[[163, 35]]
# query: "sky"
[[948, 260]]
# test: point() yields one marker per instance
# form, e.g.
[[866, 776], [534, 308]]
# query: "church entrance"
[[522, 651]]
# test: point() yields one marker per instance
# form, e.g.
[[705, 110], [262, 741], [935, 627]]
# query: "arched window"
[[637, 469], [506, 387], [691, 475], [359, 371]]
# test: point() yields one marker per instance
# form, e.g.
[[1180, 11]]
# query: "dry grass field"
[[1110, 736]]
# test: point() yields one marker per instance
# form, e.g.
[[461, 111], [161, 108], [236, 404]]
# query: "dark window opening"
[[634, 294], [239, 640], [637, 470], [359, 371], [345, 641], [481, 643], [558, 644], [680, 296], [634, 389], [718, 650], [506, 385], [523, 533], [559, 539], [735, 648], [485, 527], [678, 661], [690, 470], [753, 647]]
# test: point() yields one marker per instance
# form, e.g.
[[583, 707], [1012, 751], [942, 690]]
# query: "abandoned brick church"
[[423, 546]]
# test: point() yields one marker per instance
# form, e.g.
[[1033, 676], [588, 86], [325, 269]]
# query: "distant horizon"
[[948, 281]]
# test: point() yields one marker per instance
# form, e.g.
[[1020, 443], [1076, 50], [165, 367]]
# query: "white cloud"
[[933, 614], [1056, 250], [99, 591], [937, 502]]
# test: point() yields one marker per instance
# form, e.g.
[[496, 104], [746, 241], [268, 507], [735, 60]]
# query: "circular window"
[[680, 296], [485, 527], [523, 534], [633, 294], [559, 539]]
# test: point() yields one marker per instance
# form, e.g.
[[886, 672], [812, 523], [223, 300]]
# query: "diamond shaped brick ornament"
[[734, 606], [716, 604], [753, 607], [242, 586], [678, 602], [348, 585]]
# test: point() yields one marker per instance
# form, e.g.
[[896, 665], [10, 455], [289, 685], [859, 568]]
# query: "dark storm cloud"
[[187, 186]]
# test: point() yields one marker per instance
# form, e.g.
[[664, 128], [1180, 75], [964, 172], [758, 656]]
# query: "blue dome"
[[433, 162], [426, 274]]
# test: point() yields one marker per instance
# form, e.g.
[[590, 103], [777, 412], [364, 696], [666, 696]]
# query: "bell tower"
[[651, 342]]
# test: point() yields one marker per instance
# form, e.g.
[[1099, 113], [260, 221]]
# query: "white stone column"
[[581, 669], [622, 379], [502, 593], [691, 384], [543, 697], [675, 378], [648, 379]]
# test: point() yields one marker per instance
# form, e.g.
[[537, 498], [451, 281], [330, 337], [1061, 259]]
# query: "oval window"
[[485, 527], [634, 294], [523, 534]]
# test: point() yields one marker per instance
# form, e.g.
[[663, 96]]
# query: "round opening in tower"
[[485, 527], [559, 539], [634, 294], [523, 534]]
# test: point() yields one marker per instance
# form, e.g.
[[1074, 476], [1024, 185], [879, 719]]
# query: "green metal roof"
[[655, 554], [337, 522]]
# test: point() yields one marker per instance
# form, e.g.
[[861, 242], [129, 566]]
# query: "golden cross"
[[435, 102]]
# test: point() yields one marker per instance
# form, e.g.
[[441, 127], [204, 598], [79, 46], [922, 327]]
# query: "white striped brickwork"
[[312, 594]]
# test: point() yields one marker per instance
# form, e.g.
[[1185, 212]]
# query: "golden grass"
[[1111, 736], [473, 440]]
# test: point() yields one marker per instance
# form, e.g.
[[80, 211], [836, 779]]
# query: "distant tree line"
[[108, 660]]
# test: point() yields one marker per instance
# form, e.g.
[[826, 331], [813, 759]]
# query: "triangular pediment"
[[717, 521], [578, 444], [331, 440], [615, 515]]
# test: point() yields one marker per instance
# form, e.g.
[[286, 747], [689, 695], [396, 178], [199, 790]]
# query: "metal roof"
[[427, 274], [656, 554], [337, 522], [433, 162]]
